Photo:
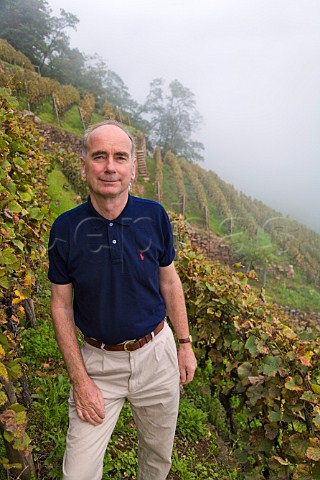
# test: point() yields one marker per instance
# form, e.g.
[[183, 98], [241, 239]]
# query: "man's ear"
[[134, 166]]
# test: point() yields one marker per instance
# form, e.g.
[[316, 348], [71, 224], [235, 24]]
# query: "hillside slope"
[[225, 224]]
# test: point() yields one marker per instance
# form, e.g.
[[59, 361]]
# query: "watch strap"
[[185, 340]]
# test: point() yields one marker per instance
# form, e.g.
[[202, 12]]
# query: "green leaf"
[[316, 420], [18, 244], [22, 443], [310, 397], [255, 393], [210, 287], [4, 282], [14, 207], [16, 407], [36, 213], [7, 256], [14, 369], [20, 162], [241, 456], [272, 365], [3, 398], [17, 147], [8, 436], [245, 370], [274, 416], [299, 445], [12, 188], [3, 144], [4, 340], [251, 345], [25, 196], [315, 388]]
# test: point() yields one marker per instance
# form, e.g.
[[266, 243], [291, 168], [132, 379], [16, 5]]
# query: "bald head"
[[113, 123]]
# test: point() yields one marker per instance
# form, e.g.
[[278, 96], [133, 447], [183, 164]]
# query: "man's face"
[[108, 165]]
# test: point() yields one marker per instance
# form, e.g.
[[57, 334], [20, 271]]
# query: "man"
[[113, 276]]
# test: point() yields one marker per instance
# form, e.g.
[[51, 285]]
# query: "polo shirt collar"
[[125, 217]]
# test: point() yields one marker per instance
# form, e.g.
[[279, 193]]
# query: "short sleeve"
[[58, 253], [168, 242]]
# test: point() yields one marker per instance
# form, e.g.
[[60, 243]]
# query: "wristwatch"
[[185, 340]]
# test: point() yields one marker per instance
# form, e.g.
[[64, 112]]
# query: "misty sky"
[[254, 67]]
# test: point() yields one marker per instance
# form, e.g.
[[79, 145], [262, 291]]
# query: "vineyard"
[[262, 238], [32, 90], [24, 224], [257, 391], [279, 249]]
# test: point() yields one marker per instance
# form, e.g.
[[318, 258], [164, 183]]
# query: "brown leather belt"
[[129, 345]]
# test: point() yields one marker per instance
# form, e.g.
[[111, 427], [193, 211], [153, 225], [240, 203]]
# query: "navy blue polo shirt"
[[113, 267]]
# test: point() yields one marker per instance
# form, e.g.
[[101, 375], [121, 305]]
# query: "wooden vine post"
[[12, 422], [56, 110]]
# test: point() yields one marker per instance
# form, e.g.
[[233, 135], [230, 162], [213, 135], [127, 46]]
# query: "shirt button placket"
[[114, 241]]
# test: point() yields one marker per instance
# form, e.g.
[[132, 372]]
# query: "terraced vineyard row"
[[259, 234]]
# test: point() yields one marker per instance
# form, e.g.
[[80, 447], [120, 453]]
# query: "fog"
[[254, 67]]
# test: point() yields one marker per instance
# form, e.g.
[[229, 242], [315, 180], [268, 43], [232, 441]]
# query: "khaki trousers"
[[149, 379]]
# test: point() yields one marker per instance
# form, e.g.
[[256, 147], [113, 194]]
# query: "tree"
[[57, 40], [68, 67], [25, 24], [117, 92], [30, 28], [173, 119]]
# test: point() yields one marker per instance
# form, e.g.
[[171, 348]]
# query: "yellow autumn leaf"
[[2, 352], [4, 372], [18, 297], [305, 358], [315, 388], [289, 333], [3, 398]]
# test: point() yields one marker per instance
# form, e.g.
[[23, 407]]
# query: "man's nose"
[[109, 165]]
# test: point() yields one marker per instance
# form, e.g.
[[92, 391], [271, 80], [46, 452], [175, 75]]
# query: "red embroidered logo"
[[141, 256]]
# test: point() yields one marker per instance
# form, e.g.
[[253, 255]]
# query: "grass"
[[46, 113], [197, 450], [170, 194], [300, 296], [72, 121], [63, 198]]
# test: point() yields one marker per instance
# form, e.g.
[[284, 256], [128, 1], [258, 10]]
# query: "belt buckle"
[[125, 348]]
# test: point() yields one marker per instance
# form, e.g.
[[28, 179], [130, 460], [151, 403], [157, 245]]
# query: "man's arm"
[[172, 292], [87, 396]]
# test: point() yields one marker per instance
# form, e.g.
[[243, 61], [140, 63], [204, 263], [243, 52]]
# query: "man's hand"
[[89, 402], [187, 363]]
